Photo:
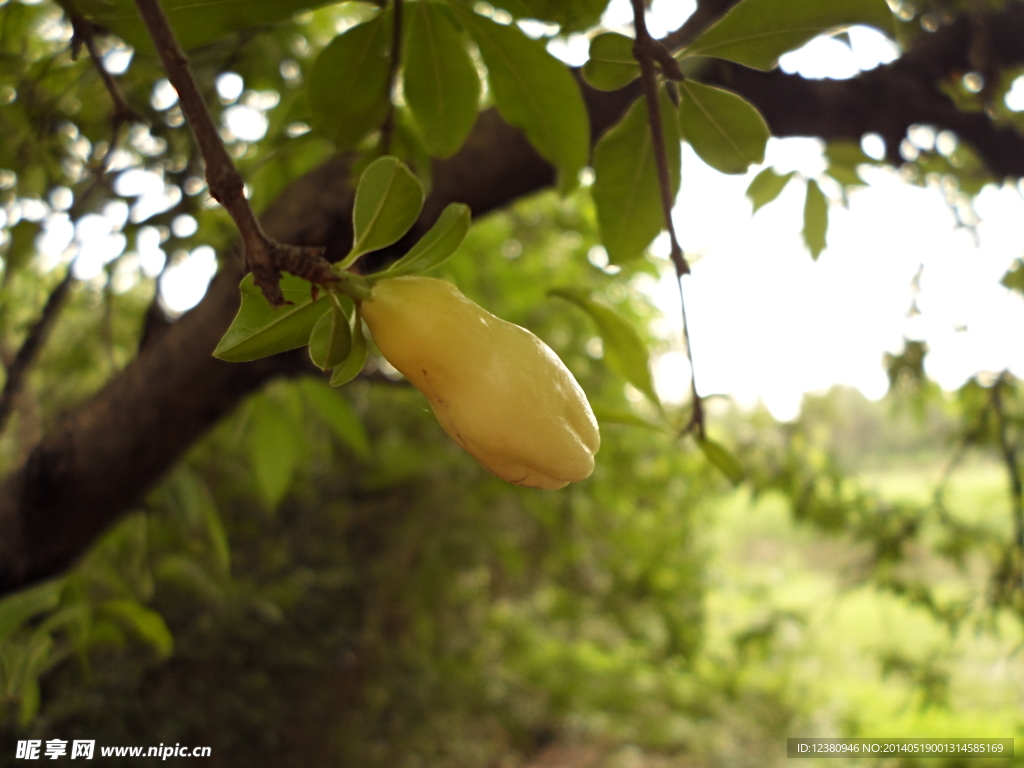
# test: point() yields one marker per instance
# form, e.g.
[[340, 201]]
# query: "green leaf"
[[756, 33], [193, 498], [1014, 277], [273, 451], [260, 330], [147, 623], [195, 23], [625, 190], [349, 369], [335, 411], [611, 64], [388, 202], [331, 339], [575, 16], [767, 186], [29, 699], [536, 92], [348, 86], [438, 245], [843, 159], [721, 458], [725, 130], [608, 415], [624, 349], [440, 82], [18, 608], [815, 219]]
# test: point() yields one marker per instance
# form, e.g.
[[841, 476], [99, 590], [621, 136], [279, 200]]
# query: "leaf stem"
[[263, 256], [648, 51]]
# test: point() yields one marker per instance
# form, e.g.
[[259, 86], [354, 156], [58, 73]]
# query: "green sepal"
[[353, 364], [331, 339]]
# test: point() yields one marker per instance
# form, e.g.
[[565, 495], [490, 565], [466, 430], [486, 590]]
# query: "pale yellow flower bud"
[[498, 390]]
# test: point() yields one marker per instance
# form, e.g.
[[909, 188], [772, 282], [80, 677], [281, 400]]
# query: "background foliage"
[[326, 578]]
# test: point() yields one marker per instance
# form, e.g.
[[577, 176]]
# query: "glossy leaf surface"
[[757, 32], [260, 330], [611, 64], [626, 190], [388, 201], [725, 130], [438, 245], [441, 85], [624, 350], [536, 92], [348, 86]]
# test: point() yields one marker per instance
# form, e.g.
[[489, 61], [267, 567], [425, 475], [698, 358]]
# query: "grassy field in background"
[[785, 609]]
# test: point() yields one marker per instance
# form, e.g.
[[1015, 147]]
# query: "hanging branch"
[[648, 52], [264, 257], [84, 34], [387, 130], [1009, 451]]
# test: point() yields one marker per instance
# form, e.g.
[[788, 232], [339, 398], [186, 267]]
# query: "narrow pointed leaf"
[[348, 86], [608, 415], [335, 411], [388, 201], [626, 191], [624, 349], [356, 359], [331, 340], [767, 186], [815, 219], [441, 84], [611, 64], [18, 608], [260, 330], [147, 623], [195, 23], [725, 130], [536, 92], [438, 245], [722, 459], [757, 32], [273, 451]]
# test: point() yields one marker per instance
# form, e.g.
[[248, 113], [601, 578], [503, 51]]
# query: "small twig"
[[387, 130], [649, 52], [30, 347], [1009, 452], [17, 369], [264, 257], [84, 33]]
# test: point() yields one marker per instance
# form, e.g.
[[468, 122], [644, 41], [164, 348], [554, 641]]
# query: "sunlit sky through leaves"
[[767, 322]]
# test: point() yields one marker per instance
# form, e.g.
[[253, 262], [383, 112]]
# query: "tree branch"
[[647, 51], [264, 257], [1009, 452], [30, 347]]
